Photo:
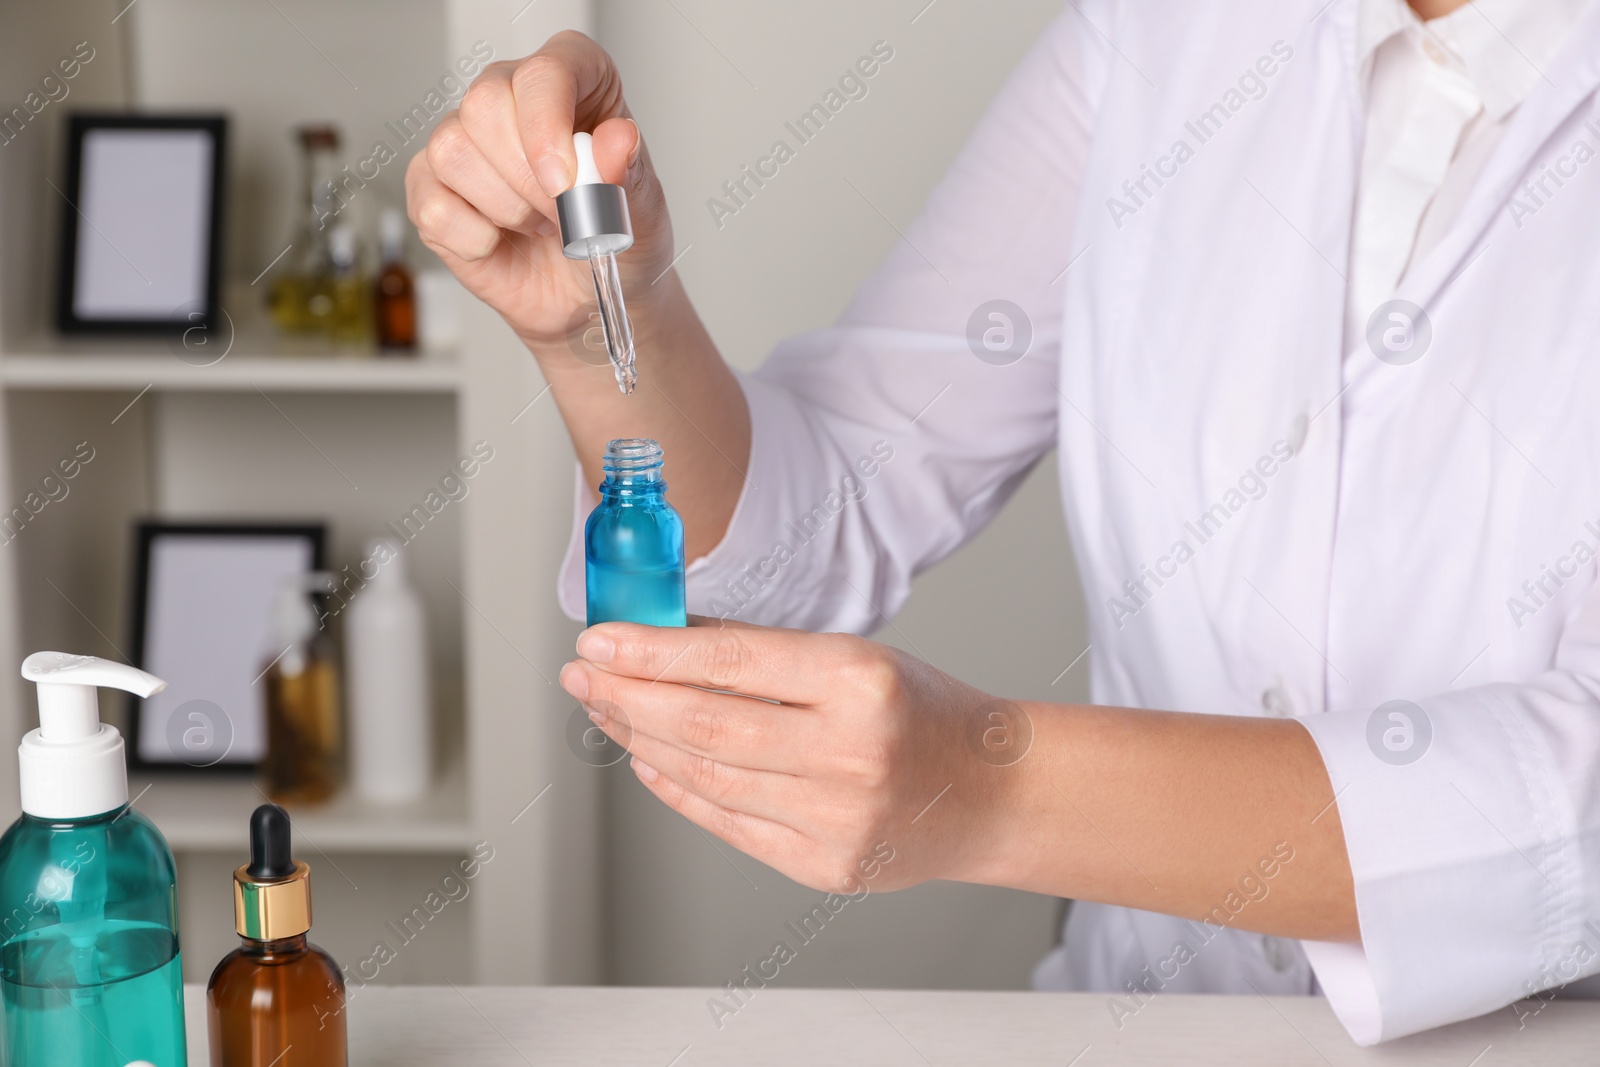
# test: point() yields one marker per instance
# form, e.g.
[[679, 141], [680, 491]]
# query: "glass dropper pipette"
[[595, 227]]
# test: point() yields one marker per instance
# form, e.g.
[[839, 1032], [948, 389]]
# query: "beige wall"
[[712, 82]]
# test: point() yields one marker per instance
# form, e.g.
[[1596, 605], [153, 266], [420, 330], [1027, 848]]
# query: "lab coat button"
[[1433, 51], [1275, 702]]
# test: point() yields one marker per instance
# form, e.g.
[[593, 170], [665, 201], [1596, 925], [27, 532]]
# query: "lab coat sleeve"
[[1477, 867], [881, 444]]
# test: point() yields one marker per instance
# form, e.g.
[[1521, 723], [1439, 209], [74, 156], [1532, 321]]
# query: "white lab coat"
[[1353, 530]]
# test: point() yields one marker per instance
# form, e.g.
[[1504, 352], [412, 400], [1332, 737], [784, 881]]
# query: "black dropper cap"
[[269, 844]]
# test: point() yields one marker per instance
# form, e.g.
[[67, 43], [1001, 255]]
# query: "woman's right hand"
[[482, 193]]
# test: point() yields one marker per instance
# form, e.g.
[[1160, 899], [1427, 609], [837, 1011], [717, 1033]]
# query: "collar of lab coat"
[[1504, 46], [1560, 89]]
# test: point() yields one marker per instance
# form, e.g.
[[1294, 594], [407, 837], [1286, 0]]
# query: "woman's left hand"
[[847, 762], [840, 755]]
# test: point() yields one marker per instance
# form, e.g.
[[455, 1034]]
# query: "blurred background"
[[582, 876]]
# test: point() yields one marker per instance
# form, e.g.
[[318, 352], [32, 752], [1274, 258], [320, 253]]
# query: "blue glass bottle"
[[633, 542]]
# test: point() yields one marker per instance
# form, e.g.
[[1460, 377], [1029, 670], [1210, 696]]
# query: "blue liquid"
[[633, 543], [100, 995], [89, 967]]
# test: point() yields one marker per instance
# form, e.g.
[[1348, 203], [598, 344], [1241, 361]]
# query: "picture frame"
[[202, 598], [141, 229]]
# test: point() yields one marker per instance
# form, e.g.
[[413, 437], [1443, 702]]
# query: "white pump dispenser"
[[73, 766]]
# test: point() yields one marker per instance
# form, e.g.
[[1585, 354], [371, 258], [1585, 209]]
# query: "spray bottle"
[[89, 965]]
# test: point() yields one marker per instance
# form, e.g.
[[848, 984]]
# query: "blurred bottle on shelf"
[[438, 310], [386, 656], [302, 698], [300, 297], [349, 319], [395, 294]]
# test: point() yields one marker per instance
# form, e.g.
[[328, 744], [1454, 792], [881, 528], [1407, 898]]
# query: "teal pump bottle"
[[633, 542], [89, 966]]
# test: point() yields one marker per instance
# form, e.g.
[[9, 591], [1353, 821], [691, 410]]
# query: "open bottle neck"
[[650, 482], [633, 470]]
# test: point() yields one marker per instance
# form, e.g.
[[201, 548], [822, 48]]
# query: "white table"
[[547, 1027]]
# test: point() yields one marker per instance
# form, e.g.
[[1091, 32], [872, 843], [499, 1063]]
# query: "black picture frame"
[[73, 221], [147, 534]]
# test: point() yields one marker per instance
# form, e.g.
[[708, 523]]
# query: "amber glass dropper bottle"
[[276, 999]]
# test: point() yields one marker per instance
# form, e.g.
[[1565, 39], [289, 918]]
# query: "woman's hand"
[[867, 753], [849, 762], [482, 194]]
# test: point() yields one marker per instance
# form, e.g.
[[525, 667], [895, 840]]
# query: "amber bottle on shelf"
[[276, 999], [394, 295], [302, 698]]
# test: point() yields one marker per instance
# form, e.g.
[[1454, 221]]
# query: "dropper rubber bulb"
[[595, 226], [270, 855]]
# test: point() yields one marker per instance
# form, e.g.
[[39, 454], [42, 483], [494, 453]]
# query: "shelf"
[[198, 812], [265, 363]]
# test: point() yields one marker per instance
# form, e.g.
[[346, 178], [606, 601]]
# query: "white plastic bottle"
[[386, 656]]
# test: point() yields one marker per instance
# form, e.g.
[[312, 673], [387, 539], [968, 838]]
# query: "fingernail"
[[638, 144], [595, 715], [575, 680], [596, 647], [551, 171], [645, 772]]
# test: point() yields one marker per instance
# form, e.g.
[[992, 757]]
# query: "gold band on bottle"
[[267, 911]]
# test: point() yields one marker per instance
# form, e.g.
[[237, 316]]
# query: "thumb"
[[620, 154], [618, 145]]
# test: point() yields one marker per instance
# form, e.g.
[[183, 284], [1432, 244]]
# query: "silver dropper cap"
[[593, 214]]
